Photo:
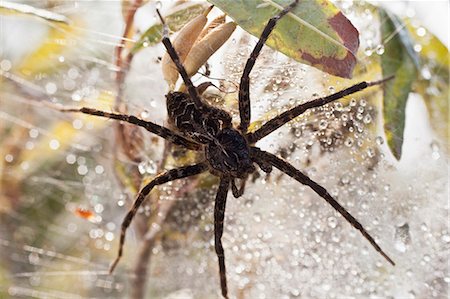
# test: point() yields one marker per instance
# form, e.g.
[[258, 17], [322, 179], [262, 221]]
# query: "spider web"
[[64, 193]]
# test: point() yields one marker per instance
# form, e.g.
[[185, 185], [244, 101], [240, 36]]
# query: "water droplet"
[[426, 73], [368, 51], [51, 88], [71, 159], [380, 50], [348, 142], [158, 5], [73, 73], [54, 144], [257, 217], [77, 124], [424, 227], [332, 222], [367, 119], [345, 179], [9, 158], [99, 169], [421, 31], [379, 140], [323, 124], [82, 170], [147, 167], [371, 152], [5, 65], [435, 150], [417, 48]]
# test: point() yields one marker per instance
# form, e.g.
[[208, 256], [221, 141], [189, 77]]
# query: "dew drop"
[[9, 158], [51, 88], [99, 169], [349, 142], [368, 51], [380, 50], [54, 144], [332, 222], [71, 159], [379, 140], [82, 170], [367, 119], [257, 217], [371, 152], [147, 167], [426, 73], [421, 31], [5, 65], [417, 48], [323, 124]]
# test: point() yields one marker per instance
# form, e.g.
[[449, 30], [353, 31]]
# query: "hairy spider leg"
[[289, 115], [238, 192], [296, 174], [244, 87], [193, 92], [149, 126], [219, 215], [171, 175]]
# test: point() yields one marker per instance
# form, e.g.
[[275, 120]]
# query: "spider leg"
[[238, 192], [171, 175], [244, 87], [192, 90], [289, 115], [149, 126], [176, 60], [219, 215], [291, 171]]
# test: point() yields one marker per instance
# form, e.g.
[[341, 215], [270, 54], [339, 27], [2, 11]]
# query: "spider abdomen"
[[189, 120]]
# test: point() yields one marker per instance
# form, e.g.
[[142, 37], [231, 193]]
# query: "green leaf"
[[7, 7], [399, 59], [433, 83], [175, 21], [315, 33]]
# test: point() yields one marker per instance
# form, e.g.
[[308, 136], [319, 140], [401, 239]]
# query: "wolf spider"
[[229, 153]]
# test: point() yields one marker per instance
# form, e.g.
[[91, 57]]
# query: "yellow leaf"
[[61, 39]]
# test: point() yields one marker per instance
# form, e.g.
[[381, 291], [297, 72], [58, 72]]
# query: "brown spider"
[[229, 152]]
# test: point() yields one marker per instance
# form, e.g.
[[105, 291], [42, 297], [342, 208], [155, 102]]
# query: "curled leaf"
[[207, 46], [400, 60], [314, 33], [182, 44]]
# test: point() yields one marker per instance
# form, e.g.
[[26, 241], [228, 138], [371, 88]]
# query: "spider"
[[229, 153]]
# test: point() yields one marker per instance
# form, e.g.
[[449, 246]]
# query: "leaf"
[[399, 59], [175, 22], [7, 7], [60, 40], [315, 33], [433, 84]]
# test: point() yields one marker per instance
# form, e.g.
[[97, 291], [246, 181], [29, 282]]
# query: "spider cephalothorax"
[[229, 153]]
